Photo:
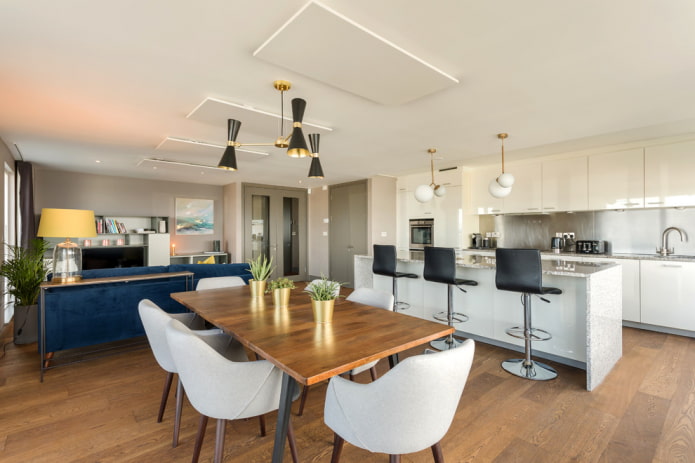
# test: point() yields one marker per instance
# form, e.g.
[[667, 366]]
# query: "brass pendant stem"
[[502, 136]]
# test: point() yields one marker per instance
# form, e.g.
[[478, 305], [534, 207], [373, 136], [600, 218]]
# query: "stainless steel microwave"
[[421, 233]]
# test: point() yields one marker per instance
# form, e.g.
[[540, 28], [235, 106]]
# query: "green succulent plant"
[[260, 267], [323, 290], [279, 284]]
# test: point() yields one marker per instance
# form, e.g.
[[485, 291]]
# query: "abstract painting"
[[194, 216]]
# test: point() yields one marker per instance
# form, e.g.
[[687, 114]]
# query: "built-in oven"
[[421, 233]]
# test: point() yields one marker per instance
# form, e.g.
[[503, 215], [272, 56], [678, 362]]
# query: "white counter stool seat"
[[520, 270], [440, 267], [385, 264]]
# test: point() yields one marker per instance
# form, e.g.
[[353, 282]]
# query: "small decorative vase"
[[281, 297], [257, 288], [323, 310]]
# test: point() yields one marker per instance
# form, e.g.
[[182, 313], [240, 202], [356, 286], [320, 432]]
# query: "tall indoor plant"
[[25, 269]]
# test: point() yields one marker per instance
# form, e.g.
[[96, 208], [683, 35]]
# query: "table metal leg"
[[289, 386]]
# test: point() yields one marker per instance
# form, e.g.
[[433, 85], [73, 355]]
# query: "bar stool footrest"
[[400, 305], [536, 371], [519, 333], [447, 343], [456, 317]]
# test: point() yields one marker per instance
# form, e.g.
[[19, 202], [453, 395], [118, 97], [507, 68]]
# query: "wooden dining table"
[[308, 352]]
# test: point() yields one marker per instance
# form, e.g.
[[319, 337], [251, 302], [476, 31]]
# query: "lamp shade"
[[228, 159], [298, 147], [439, 191], [315, 170], [506, 180], [497, 190], [66, 223]]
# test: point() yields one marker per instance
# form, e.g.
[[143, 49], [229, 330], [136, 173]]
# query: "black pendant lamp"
[[298, 147], [315, 170], [228, 160]]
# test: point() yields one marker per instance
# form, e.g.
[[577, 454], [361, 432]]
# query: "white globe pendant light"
[[425, 193], [502, 185]]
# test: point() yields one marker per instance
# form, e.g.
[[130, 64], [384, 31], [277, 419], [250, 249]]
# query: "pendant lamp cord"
[[432, 167], [502, 155], [282, 114]]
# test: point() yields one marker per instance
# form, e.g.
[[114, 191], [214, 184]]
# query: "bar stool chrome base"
[[450, 342], [455, 317], [400, 305], [536, 371]]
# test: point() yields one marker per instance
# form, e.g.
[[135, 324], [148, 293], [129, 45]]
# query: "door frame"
[[250, 189]]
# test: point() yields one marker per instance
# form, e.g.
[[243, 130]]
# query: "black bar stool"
[[440, 267], [385, 264], [519, 270]]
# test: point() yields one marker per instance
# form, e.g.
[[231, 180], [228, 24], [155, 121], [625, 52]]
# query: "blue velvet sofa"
[[85, 315]]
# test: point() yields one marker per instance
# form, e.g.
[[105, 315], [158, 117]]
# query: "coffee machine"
[[476, 241]]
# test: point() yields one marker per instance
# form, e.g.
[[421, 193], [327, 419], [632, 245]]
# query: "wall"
[[5, 157], [381, 211], [124, 197], [317, 237], [631, 231], [233, 239]]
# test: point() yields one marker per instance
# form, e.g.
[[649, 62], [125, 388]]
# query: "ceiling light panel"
[[203, 148], [346, 49]]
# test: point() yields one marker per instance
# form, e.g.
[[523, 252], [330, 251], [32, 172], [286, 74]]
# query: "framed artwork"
[[194, 216]]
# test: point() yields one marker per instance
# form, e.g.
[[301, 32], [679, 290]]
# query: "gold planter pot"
[[323, 310], [257, 288], [281, 297]]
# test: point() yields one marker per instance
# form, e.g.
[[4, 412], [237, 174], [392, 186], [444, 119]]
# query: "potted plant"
[[323, 294], [280, 288], [25, 269], [260, 269]]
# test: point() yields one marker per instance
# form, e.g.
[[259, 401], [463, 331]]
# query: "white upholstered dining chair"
[[219, 282], [221, 388], [408, 409], [367, 296], [155, 320]]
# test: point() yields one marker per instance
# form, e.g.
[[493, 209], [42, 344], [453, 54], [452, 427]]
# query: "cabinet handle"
[[548, 207], [671, 265], [495, 210], [634, 204], [532, 208], [655, 202]]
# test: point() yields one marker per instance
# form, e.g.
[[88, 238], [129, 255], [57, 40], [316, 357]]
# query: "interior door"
[[348, 229], [275, 225]]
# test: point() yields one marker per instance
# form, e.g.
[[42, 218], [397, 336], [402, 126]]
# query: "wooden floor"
[[104, 411]]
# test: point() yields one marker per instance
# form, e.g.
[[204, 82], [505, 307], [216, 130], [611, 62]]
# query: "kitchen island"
[[585, 320]]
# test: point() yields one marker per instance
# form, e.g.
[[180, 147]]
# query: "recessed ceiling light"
[[98, 161]]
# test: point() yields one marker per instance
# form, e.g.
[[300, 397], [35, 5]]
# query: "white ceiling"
[[84, 80]]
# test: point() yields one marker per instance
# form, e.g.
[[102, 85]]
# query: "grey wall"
[[381, 209], [629, 231], [317, 211], [128, 197]]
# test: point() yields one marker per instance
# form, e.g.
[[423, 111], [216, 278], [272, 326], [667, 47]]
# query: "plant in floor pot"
[[25, 269], [323, 294], [260, 269], [280, 288]]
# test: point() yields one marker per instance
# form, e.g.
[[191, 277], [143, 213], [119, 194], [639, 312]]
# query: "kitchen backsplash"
[[631, 231]]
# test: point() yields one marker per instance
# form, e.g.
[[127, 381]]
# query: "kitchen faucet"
[[664, 251]]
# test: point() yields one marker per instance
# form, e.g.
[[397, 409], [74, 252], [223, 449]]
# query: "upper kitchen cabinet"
[[565, 185], [616, 180], [482, 202], [526, 195], [668, 175]]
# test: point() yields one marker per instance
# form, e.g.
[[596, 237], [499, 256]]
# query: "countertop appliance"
[[476, 240], [557, 243], [591, 247], [421, 233]]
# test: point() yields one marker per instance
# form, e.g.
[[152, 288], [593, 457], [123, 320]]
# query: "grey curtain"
[[26, 219]]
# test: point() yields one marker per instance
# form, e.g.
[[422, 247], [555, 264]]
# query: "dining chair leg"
[[165, 396], [302, 401], [219, 440], [179, 406], [292, 442], [437, 453], [394, 459], [337, 448], [261, 422], [372, 371], [202, 424]]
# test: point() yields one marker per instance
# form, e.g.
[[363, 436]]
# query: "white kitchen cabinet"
[[668, 175], [668, 294], [448, 218], [482, 202], [526, 195], [616, 180], [565, 185]]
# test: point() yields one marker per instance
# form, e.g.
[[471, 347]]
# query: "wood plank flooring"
[[105, 410]]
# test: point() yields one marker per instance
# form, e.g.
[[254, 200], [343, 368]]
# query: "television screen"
[[113, 257]]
